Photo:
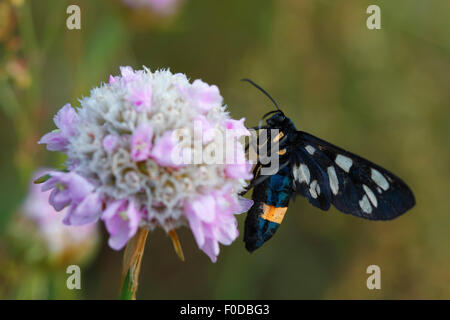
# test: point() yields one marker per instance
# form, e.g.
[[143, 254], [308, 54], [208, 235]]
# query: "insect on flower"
[[323, 173]]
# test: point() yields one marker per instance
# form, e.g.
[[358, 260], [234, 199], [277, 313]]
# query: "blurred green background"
[[383, 94]]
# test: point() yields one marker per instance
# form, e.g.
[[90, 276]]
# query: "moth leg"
[[257, 137], [257, 143], [281, 146], [281, 143]]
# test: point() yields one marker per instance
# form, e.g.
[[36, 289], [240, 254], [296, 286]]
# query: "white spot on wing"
[[371, 195], [310, 149], [365, 205], [379, 179], [303, 174], [312, 189], [332, 177], [295, 172], [344, 162]]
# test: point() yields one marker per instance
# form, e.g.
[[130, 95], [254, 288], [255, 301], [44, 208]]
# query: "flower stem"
[[132, 265]]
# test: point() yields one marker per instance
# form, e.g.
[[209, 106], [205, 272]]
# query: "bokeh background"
[[383, 94]]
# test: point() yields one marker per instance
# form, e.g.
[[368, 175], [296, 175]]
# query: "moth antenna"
[[263, 91]]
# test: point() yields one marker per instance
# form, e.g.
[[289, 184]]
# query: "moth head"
[[277, 120]]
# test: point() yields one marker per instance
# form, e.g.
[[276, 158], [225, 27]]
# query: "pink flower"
[[141, 142], [239, 167], [160, 6], [163, 6], [237, 127], [71, 189], [239, 171], [59, 238], [127, 73], [121, 221], [211, 219], [203, 95], [86, 212], [110, 143], [66, 120], [207, 129], [141, 98], [230, 204], [166, 151]]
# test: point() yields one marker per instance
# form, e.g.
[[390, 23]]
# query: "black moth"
[[323, 173]]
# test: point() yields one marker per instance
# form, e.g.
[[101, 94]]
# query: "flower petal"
[[244, 205], [239, 171], [59, 199], [134, 217], [237, 127], [55, 141], [166, 152], [211, 248], [196, 227], [141, 142], [66, 120], [118, 240], [204, 208], [110, 143], [203, 96], [88, 211], [112, 208], [141, 98]]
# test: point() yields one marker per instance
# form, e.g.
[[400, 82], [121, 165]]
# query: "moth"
[[321, 172]]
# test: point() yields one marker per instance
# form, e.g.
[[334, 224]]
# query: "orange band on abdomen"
[[273, 214]]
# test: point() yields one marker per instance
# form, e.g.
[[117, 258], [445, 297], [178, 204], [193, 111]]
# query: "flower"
[[141, 98], [165, 146], [211, 219], [131, 165], [163, 7], [61, 241], [122, 221], [206, 128], [203, 95], [141, 142], [110, 143], [237, 127], [71, 189], [66, 120]]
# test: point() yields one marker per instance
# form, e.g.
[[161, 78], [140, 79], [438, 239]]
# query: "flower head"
[[60, 240], [132, 166], [163, 7]]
